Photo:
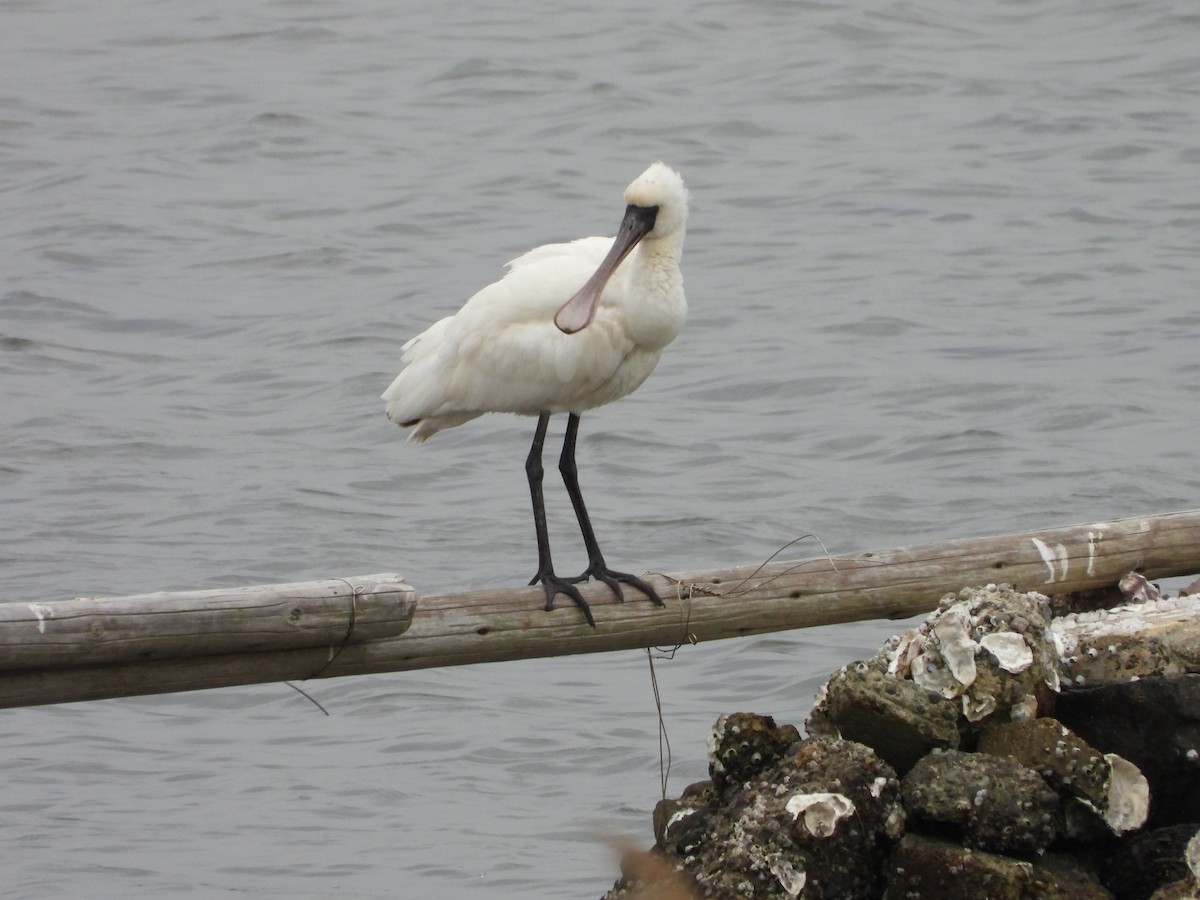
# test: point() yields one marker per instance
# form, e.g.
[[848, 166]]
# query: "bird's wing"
[[588, 250], [502, 351]]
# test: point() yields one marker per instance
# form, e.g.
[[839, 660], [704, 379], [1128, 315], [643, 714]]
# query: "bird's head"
[[657, 206], [660, 188]]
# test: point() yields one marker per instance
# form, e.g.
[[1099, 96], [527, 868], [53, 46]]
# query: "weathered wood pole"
[[506, 624], [91, 631]]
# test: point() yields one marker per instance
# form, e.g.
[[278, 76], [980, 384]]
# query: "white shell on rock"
[[1025, 708], [821, 811], [958, 650], [822, 693], [1192, 855], [1011, 652], [1053, 680], [929, 671], [1128, 795], [714, 742], [1137, 589], [900, 660], [791, 879], [977, 708]]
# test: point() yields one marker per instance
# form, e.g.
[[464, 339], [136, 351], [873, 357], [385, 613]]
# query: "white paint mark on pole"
[[43, 613], [1050, 556], [1095, 536]]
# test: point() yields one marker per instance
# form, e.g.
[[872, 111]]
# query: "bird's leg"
[[545, 573], [596, 566]]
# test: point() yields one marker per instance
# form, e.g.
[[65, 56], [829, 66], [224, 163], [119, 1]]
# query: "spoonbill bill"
[[570, 327]]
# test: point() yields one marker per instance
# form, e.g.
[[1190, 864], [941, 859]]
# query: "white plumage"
[[502, 352], [570, 327]]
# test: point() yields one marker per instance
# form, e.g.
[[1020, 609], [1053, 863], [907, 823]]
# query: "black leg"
[[545, 573], [596, 566]]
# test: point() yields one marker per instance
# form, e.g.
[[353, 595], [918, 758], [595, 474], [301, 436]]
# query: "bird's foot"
[[555, 586], [598, 570]]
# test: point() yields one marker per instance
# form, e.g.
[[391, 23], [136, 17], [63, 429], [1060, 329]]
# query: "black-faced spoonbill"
[[570, 327]]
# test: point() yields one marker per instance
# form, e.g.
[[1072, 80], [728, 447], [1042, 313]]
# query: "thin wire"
[[664, 740], [355, 593], [335, 652], [697, 588], [684, 593], [307, 696], [765, 562]]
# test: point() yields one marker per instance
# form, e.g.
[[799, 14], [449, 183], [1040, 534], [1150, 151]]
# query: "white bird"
[[570, 327]]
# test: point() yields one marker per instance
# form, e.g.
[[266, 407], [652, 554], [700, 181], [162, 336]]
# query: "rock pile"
[[949, 765]]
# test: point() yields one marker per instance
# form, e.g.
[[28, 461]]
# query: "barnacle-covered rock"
[[1030, 815], [1153, 723], [679, 825], [922, 867], [1110, 786], [1153, 639], [895, 717], [992, 648], [1143, 863], [1187, 888], [741, 745], [985, 655], [1067, 762], [818, 823], [1060, 876], [819, 813], [1113, 655], [995, 803]]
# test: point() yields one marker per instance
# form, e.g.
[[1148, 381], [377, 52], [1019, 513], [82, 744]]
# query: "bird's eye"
[[647, 214]]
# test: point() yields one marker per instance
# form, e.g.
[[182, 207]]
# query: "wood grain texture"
[[90, 631], [506, 624]]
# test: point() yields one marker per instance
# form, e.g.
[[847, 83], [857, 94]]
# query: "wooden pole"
[[91, 631], [507, 624]]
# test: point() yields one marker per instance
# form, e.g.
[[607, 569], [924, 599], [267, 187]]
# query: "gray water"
[[943, 268]]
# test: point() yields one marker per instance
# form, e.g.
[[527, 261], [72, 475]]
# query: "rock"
[[1105, 783], [741, 745], [1143, 863], [1067, 762], [1154, 639], [1086, 601], [990, 650], [1155, 725], [685, 818], [1082, 826], [1057, 876], [819, 823], [1015, 656], [995, 803], [985, 655], [1185, 889], [922, 867], [894, 717], [825, 817]]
